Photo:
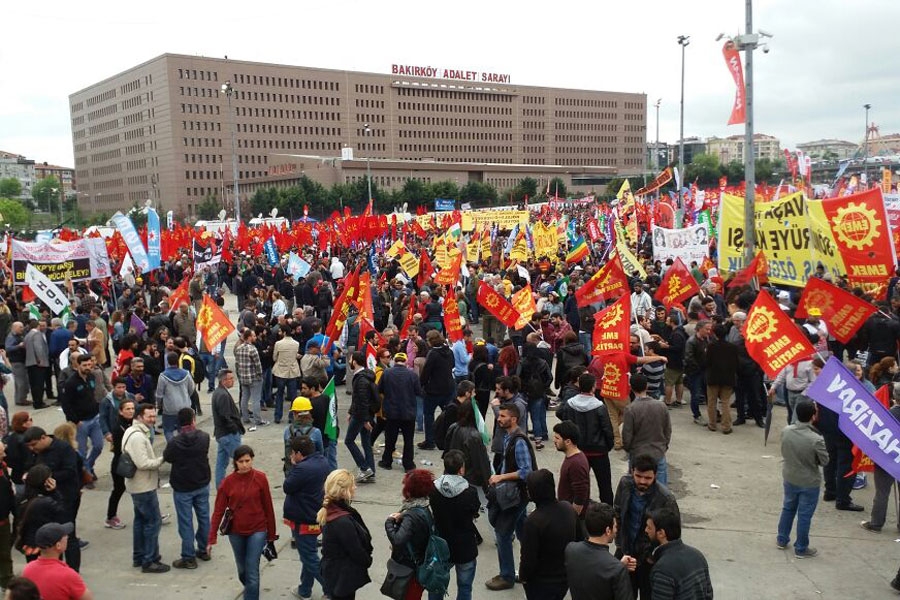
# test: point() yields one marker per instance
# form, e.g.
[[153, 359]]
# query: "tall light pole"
[[748, 43], [683, 41], [229, 91], [866, 146], [368, 132], [655, 163]]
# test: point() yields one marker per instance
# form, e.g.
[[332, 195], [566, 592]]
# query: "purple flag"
[[863, 418], [138, 325]]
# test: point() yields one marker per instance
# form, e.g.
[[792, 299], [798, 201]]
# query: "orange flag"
[[523, 301], [410, 313], [341, 310], [843, 312], [612, 328], [496, 304], [677, 284], [609, 282], [772, 339], [450, 275], [180, 295], [451, 319], [212, 323]]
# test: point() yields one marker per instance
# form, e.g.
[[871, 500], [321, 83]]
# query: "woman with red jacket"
[[252, 522]]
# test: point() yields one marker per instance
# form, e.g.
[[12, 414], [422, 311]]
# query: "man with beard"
[[637, 495]]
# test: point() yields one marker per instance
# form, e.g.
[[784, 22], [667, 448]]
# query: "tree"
[[263, 201], [557, 188], [413, 193], [138, 216], [734, 171], [704, 169], [46, 194], [446, 189], [10, 187], [13, 213], [526, 187], [208, 210]]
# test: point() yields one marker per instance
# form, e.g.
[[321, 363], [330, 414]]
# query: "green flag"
[[331, 424], [34, 312], [479, 424]]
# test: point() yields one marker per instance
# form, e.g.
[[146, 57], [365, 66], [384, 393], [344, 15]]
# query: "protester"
[[54, 579], [592, 572], [679, 571], [123, 420], [346, 541], [227, 425], [409, 529]]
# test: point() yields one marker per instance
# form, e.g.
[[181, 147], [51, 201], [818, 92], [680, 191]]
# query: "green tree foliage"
[[44, 195], [558, 188], [208, 210], [137, 216], [10, 187], [478, 194], [13, 213], [526, 187], [704, 169]]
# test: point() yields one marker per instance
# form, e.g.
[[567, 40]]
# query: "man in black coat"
[[594, 574], [679, 570], [399, 386], [189, 454], [455, 505], [437, 381]]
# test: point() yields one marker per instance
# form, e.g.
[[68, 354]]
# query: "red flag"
[[408, 321], [677, 284], [426, 270], [451, 318], [212, 323], [733, 62], [843, 312], [758, 267], [706, 265], [450, 275], [496, 304], [341, 310], [615, 383], [612, 328], [772, 339], [609, 282], [180, 295], [861, 462]]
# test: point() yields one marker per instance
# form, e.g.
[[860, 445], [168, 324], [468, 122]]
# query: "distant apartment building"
[[732, 147], [18, 167], [65, 176], [692, 147], [829, 149]]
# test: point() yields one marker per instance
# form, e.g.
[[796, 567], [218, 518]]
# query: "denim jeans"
[[145, 530], [800, 502], [697, 384], [90, 429], [251, 391], [331, 454], [309, 558], [248, 550], [170, 426], [508, 523], [227, 445], [793, 398], [212, 364], [364, 458], [186, 504], [280, 385], [538, 411], [473, 308], [420, 413], [267, 387], [465, 575], [429, 406]]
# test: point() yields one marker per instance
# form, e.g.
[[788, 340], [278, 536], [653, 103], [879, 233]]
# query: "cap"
[[400, 357], [48, 535], [301, 404], [784, 296], [814, 312]]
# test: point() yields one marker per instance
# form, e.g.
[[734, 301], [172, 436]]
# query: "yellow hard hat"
[[301, 404]]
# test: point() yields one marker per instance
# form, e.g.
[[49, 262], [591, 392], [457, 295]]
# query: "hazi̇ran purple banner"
[[863, 418]]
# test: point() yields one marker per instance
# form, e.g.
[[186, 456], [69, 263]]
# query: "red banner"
[[496, 304], [615, 383], [772, 339], [450, 275], [609, 282], [733, 61], [661, 180], [426, 270], [612, 328], [180, 295], [212, 323], [758, 268], [862, 463], [677, 285], [341, 310], [451, 318], [593, 229], [843, 312]]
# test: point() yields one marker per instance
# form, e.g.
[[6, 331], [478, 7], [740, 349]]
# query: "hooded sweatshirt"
[[455, 505], [173, 390], [592, 419], [548, 530]]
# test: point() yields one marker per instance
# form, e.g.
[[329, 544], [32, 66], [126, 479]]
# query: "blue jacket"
[[461, 358], [304, 489], [109, 411], [399, 387], [59, 340]]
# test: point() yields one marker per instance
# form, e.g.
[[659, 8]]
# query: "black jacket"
[[548, 530], [676, 339], [77, 399], [680, 571], [721, 363], [399, 387], [660, 496], [567, 358], [346, 550], [595, 574], [7, 496], [18, 456], [437, 373], [881, 334], [304, 488], [468, 441], [63, 461], [592, 419], [35, 513], [455, 509], [410, 533], [189, 454], [364, 395], [226, 416]]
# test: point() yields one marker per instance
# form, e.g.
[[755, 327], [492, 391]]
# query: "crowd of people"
[[127, 370]]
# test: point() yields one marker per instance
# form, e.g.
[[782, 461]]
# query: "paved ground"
[[728, 488]]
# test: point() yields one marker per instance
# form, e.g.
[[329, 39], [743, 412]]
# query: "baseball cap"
[[51, 533], [400, 357], [814, 312]]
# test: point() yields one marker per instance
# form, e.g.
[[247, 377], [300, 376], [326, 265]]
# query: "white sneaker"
[[251, 428], [166, 518], [365, 476]]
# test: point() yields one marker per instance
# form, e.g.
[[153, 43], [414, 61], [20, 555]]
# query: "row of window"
[[104, 141], [534, 100], [365, 88], [101, 97], [573, 150], [288, 82], [585, 127], [454, 149], [137, 180], [455, 135], [596, 139], [365, 103], [290, 145], [454, 108], [533, 112], [199, 75], [202, 126], [586, 102], [107, 170], [453, 95], [103, 156], [102, 112], [202, 158], [311, 115], [200, 109], [533, 137]]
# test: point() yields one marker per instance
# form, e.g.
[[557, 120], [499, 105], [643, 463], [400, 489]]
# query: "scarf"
[[411, 503]]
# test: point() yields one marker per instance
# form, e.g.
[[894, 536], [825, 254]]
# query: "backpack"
[[195, 366], [537, 381], [433, 573], [294, 431]]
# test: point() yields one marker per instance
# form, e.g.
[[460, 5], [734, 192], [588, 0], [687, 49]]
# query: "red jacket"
[[250, 500]]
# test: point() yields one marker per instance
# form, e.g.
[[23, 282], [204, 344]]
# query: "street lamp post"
[[655, 163], [229, 91], [683, 41], [368, 132], [866, 146], [748, 43]]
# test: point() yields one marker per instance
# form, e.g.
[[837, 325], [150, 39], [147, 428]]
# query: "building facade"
[[18, 167], [65, 175], [162, 129], [692, 147], [829, 149], [732, 147]]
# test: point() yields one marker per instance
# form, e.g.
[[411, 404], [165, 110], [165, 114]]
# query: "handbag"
[[125, 466], [227, 521], [396, 582]]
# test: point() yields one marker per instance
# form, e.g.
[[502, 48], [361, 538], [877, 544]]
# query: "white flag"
[[46, 290], [127, 267]]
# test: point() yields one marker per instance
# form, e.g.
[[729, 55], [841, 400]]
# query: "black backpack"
[[537, 380]]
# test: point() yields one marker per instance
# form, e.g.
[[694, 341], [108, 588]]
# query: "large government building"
[[163, 130]]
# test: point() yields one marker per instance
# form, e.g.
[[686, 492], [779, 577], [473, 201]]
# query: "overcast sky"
[[827, 59]]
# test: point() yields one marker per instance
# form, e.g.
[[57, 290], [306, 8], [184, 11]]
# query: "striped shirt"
[[654, 372]]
